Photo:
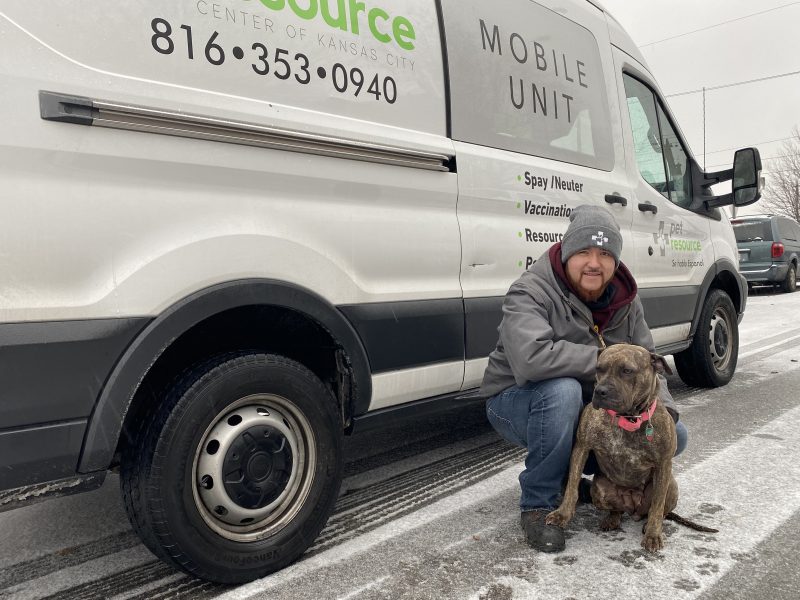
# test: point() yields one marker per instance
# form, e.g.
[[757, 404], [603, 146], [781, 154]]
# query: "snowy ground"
[[430, 511]]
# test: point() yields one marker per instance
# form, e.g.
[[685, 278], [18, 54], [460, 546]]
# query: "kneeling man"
[[575, 300]]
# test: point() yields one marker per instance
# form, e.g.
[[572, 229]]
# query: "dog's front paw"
[[653, 542], [559, 517]]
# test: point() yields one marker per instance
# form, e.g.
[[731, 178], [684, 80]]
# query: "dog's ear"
[[660, 364]]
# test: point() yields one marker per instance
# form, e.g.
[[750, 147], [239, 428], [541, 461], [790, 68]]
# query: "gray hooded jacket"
[[548, 332]]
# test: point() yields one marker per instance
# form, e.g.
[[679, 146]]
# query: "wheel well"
[[726, 281], [269, 329]]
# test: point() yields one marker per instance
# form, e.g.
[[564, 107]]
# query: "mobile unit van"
[[236, 230]]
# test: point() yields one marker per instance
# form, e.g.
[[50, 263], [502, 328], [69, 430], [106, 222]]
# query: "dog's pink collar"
[[635, 424]]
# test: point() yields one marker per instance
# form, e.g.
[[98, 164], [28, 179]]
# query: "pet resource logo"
[[344, 15]]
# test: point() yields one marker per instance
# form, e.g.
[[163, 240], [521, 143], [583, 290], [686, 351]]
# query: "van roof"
[[620, 38]]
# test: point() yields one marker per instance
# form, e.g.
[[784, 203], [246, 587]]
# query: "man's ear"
[[660, 364]]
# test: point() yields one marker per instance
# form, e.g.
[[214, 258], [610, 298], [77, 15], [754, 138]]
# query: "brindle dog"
[[635, 466]]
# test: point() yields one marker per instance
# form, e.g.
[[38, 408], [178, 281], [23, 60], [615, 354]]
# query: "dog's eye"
[[627, 371]]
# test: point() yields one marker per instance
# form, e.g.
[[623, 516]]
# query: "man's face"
[[589, 271]]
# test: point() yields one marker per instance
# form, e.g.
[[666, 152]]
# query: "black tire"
[[266, 419], [789, 283], [711, 359]]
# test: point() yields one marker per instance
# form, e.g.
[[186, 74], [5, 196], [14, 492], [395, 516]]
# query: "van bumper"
[[743, 295], [774, 273]]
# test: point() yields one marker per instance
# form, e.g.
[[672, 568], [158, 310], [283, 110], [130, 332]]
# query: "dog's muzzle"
[[603, 397]]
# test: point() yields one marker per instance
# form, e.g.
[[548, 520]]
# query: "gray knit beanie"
[[591, 227]]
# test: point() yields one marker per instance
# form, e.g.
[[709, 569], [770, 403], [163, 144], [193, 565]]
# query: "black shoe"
[[540, 536]]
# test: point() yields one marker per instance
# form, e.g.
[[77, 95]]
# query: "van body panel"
[[516, 194], [77, 356], [226, 51], [529, 78], [167, 213], [36, 454], [623, 41]]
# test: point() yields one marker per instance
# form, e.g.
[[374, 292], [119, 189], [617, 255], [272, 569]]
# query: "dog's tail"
[[687, 523]]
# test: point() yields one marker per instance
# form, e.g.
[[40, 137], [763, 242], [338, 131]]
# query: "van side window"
[[527, 79], [660, 156], [646, 135], [787, 229]]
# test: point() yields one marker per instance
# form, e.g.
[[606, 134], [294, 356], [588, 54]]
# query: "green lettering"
[[340, 22], [304, 13], [355, 8], [274, 4], [374, 14], [402, 28]]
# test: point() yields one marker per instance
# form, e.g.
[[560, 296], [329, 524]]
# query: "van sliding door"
[[535, 123]]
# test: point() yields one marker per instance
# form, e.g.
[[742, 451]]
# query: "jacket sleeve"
[[641, 332], [531, 351], [643, 337]]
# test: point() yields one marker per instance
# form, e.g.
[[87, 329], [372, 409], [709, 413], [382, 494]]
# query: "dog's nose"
[[600, 396]]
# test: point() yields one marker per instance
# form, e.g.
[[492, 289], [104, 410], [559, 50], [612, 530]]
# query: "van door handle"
[[616, 199], [645, 207]]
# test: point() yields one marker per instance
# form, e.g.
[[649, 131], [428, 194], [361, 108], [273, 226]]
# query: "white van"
[[236, 230]]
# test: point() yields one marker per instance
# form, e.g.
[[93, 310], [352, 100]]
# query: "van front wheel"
[[711, 359], [235, 473]]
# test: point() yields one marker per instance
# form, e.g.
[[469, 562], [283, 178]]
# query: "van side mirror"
[[746, 176]]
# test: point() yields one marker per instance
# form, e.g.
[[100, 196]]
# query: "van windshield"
[[753, 231]]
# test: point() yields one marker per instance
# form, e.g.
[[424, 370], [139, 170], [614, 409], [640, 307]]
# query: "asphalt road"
[[429, 510]]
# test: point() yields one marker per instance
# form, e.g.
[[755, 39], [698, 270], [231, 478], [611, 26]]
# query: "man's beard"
[[587, 295]]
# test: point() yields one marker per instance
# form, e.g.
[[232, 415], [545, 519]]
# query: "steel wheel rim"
[[239, 523], [719, 340]]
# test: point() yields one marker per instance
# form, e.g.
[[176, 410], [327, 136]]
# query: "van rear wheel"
[[711, 359], [236, 472], [789, 284]]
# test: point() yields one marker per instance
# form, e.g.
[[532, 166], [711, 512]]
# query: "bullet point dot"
[[519, 233], [519, 204], [519, 264]]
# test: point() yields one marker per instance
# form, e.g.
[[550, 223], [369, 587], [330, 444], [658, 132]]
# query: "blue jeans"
[[543, 417]]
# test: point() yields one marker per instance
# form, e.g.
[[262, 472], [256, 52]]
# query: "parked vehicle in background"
[[769, 247]]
